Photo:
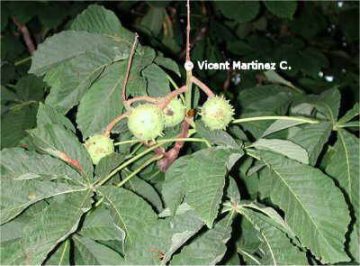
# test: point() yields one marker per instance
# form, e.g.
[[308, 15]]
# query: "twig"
[[188, 32], [142, 98], [26, 35], [171, 155], [123, 91], [111, 125], [202, 86], [167, 99]]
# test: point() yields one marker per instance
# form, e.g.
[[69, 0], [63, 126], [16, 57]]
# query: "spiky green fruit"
[[217, 113], [174, 113], [98, 147], [146, 122]]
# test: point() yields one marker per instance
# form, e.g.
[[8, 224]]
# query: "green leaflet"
[[283, 147], [129, 211], [275, 248], [312, 138], [99, 225], [165, 237], [314, 208], [61, 255], [17, 195], [97, 19], [199, 177], [48, 115], [90, 252], [344, 167], [57, 141], [46, 228], [208, 248]]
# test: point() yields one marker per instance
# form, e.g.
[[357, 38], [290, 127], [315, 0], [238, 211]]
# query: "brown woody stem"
[[123, 91], [26, 35], [203, 87]]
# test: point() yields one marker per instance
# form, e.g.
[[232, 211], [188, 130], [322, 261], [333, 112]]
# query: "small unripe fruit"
[[217, 113], [99, 146], [146, 122], [174, 113]]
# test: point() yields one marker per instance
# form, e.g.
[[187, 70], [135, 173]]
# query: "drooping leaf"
[[312, 138], [353, 112], [168, 64], [128, 210], [48, 115], [102, 102], [90, 252], [205, 182], [314, 208], [99, 225], [274, 242], [344, 167], [284, 147], [60, 143], [61, 255], [17, 195], [53, 225], [17, 164], [199, 177], [173, 189], [157, 82], [279, 125], [156, 243], [208, 248]]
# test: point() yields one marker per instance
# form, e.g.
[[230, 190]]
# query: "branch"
[[171, 155], [203, 87], [111, 125], [123, 91], [26, 35], [142, 98], [188, 32], [167, 99]]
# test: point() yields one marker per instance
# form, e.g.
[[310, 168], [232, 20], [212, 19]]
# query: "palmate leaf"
[[206, 249], [199, 177], [57, 141], [90, 252], [314, 208], [353, 112], [344, 167], [275, 248]]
